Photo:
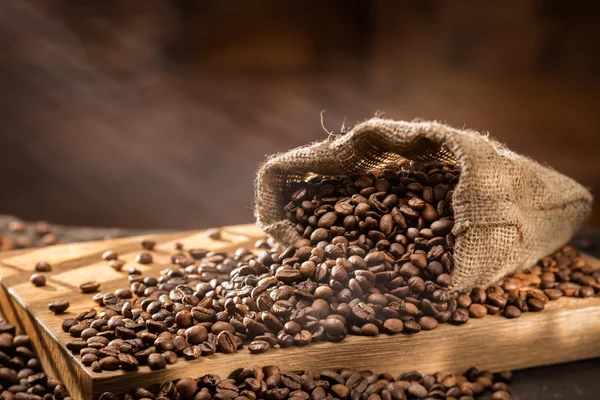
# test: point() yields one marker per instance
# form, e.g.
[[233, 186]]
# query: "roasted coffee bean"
[[38, 280], [259, 346], [214, 234], [143, 258], [127, 361], [186, 387], [460, 316], [393, 326], [109, 255], [147, 244], [117, 265], [89, 287], [512, 312], [58, 307], [227, 342], [43, 266], [156, 361], [109, 363], [428, 323], [477, 311]]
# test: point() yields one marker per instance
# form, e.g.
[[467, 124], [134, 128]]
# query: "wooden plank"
[[567, 330]]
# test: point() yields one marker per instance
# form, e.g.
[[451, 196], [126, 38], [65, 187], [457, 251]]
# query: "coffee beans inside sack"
[[508, 211]]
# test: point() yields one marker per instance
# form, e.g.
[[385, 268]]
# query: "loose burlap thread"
[[509, 211]]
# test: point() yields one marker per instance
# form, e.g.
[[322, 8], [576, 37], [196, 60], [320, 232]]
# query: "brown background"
[[155, 114]]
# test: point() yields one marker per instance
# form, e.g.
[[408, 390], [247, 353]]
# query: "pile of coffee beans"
[[18, 235], [375, 257], [21, 375], [271, 382]]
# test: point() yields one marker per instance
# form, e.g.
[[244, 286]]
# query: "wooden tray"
[[568, 329]]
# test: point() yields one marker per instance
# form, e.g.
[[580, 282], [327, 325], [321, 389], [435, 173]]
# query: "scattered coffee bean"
[[148, 244], [109, 255], [58, 307], [89, 287], [38, 280], [156, 361], [143, 258], [117, 265], [214, 234], [43, 266]]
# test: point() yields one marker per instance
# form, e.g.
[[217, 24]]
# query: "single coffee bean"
[[89, 287], [460, 316], [38, 280], [214, 234], [43, 266], [428, 323], [117, 265], [109, 363], [227, 342], [109, 255], [259, 346], [477, 311], [156, 361], [143, 258], [58, 307], [186, 387], [512, 312], [147, 244], [535, 304]]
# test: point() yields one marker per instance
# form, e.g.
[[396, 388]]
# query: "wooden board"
[[567, 330]]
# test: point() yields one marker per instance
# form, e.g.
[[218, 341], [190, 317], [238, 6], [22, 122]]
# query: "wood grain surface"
[[567, 330]]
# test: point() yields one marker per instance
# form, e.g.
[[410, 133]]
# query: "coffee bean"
[[127, 361], [156, 361], [58, 307], [460, 316], [143, 258], [477, 311], [117, 265], [411, 326], [369, 330], [186, 387], [109, 363], [512, 312], [109, 255], [43, 266], [428, 323], [89, 287], [259, 346], [535, 304], [214, 234], [38, 280], [147, 244], [227, 342]]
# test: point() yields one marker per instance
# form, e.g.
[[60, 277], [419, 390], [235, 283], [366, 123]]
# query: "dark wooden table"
[[577, 380]]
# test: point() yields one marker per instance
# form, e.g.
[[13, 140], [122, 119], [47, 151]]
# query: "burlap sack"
[[509, 210]]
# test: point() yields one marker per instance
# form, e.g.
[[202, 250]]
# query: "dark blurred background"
[[156, 114]]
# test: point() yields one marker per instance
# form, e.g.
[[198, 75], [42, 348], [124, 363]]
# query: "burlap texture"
[[509, 211]]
